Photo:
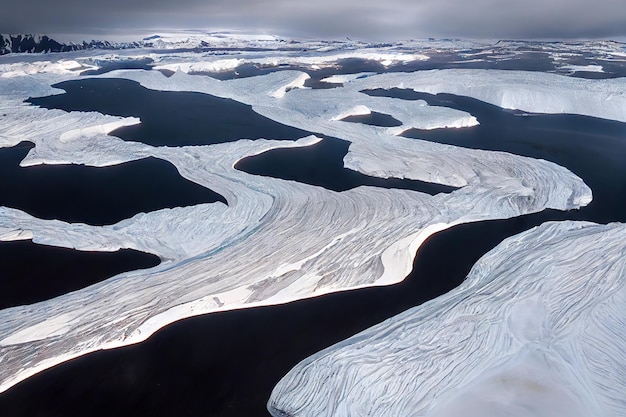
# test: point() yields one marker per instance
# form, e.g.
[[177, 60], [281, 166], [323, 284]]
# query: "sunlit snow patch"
[[535, 329]]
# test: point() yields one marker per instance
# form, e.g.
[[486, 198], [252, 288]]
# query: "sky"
[[326, 19]]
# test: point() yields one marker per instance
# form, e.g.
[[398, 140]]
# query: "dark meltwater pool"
[[94, 195]]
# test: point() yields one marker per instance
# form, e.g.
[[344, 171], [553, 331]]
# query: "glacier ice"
[[535, 329], [361, 237]]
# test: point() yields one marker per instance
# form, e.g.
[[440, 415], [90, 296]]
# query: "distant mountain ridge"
[[178, 40], [41, 43], [198, 40]]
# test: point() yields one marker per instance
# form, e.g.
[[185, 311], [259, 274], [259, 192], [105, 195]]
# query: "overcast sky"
[[359, 19]]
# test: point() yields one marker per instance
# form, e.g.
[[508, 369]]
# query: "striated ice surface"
[[191, 64], [277, 240], [536, 329], [529, 91]]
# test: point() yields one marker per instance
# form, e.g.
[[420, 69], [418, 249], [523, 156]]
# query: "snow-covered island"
[[279, 240], [536, 329]]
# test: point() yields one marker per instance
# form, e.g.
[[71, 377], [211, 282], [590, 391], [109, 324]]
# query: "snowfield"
[[279, 240]]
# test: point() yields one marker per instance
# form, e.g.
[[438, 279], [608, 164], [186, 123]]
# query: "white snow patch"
[[325, 241], [586, 68], [52, 327], [343, 78], [55, 67], [219, 65], [297, 83], [92, 131]]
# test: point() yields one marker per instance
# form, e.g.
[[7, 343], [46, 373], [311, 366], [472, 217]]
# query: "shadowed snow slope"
[[277, 240], [535, 329]]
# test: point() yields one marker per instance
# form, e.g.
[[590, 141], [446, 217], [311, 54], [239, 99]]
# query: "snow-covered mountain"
[[29, 43], [41, 43]]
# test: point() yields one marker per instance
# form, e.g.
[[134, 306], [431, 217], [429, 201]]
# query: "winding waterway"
[[32, 272], [226, 364]]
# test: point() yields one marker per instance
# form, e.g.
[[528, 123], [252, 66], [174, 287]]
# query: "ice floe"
[[529, 91], [535, 329], [277, 240], [202, 66], [586, 68]]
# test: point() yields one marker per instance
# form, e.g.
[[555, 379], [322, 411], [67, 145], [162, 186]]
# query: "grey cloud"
[[365, 19]]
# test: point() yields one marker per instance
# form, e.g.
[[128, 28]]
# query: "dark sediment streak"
[[33, 273], [96, 196]]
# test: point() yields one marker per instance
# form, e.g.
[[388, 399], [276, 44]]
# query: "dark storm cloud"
[[366, 19]]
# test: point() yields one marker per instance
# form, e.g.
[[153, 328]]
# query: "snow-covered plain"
[[276, 240], [534, 330]]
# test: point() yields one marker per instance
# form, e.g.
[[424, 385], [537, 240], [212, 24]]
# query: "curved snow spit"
[[98, 130], [342, 78], [535, 329], [12, 234], [306, 240]]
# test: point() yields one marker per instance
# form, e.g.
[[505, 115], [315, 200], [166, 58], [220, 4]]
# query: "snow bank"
[[55, 67], [536, 329], [529, 91], [217, 65]]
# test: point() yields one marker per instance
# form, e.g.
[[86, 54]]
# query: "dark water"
[[31, 272], [322, 164], [97, 196], [592, 148], [374, 119], [108, 66], [167, 118], [226, 364]]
